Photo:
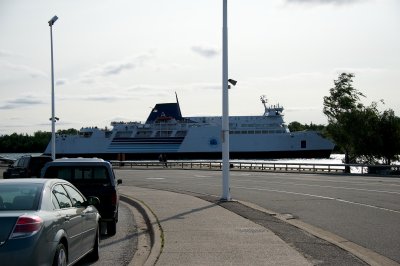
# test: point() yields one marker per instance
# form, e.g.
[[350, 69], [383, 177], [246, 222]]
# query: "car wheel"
[[94, 255], [112, 228], [60, 258]]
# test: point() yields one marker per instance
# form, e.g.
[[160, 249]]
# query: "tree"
[[362, 124], [296, 126], [70, 131], [389, 136], [25, 143], [343, 98], [338, 107], [363, 133]]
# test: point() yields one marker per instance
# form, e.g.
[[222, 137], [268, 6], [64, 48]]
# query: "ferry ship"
[[166, 132]]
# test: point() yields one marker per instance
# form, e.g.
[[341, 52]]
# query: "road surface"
[[361, 209]]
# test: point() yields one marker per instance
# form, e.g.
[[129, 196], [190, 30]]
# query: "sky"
[[115, 59]]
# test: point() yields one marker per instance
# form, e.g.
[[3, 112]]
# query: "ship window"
[[87, 134], [250, 132], [123, 134], [244, 132], [257, 132], [142, 134], [163, 134], [303, 144]]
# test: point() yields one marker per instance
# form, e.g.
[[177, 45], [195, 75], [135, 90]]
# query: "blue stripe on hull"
[[145, 144], [147, 140]]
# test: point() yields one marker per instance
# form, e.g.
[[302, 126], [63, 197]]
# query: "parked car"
[[46, 222], [93, 177], [26, 166]]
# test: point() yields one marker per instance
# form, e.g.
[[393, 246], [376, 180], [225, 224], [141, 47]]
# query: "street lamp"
[[53, 118]]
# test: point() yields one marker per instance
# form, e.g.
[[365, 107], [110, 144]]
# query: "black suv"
[[93, 177], [26, 166]]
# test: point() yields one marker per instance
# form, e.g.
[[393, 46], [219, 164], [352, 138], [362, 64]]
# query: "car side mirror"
[[93, 201], [119, 181]]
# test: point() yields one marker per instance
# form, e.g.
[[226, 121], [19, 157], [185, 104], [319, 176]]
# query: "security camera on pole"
[[53, 118]]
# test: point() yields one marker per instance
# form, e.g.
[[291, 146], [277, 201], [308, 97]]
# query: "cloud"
[[61, 82], [5, 53], [115, 67], [23, 101], [34, 73], [144, 88], [302, 109], [340, 70], [108, 69], [206, 86], [205, 51], [98, 98], [105, 98], [154, 90], [323, 2], [291, 76]]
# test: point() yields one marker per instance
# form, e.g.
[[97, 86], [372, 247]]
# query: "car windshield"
[[79, 174], [18, 197]]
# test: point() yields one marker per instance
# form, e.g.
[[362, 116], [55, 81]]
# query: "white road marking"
[[202, 176], [324, 186], [155, 178], [318, 196]]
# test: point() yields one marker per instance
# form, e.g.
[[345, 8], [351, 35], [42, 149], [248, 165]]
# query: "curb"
[[151, 242]]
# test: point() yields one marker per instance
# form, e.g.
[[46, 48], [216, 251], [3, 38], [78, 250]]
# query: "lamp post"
[[225, 109], [53, 118]]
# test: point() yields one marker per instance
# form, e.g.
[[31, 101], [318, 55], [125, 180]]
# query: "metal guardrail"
[[264, 166]]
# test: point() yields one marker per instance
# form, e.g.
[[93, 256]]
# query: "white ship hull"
[[166, 132]]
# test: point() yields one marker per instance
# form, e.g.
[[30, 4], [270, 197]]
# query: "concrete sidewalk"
[[197, 232]]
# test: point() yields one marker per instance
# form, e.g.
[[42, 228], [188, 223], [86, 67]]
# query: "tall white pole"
[[53, 119], [225, 108]]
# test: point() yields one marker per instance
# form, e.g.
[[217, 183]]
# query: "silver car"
[[46, 222]]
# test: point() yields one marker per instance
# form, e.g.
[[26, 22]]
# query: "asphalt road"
[[362, 209], [120, 248]]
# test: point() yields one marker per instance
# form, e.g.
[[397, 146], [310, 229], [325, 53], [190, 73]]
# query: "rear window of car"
[[22, 162], [19, 196], [40, 160], [79, 174], [37, 163]]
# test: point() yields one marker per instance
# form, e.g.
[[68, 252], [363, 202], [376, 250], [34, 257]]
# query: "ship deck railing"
[[263, 167]]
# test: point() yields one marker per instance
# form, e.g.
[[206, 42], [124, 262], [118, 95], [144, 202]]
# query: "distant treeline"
[[296, 126], [21, 143], [25, 143]]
